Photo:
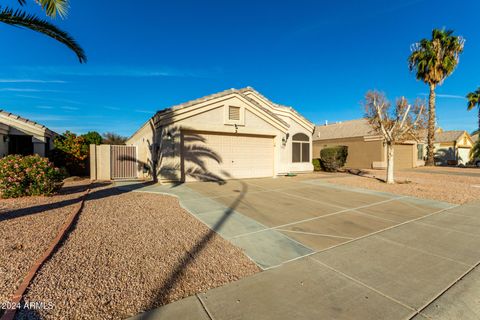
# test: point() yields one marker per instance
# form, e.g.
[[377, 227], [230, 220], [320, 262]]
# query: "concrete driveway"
[[329, 251]]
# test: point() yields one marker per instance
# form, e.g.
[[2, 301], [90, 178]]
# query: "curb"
[[17, 296]]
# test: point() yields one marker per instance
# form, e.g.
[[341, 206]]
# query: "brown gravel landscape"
[[27, 226], [452, 188], [131, 252]]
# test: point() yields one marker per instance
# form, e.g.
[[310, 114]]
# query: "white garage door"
[[228, 156], [463, 155]]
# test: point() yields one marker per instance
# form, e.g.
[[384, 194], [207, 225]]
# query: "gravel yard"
[[27, 226], [419, 183], [131, 252]]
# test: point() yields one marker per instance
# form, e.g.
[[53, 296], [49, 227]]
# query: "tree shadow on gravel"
[[98, 194], [162, 294]]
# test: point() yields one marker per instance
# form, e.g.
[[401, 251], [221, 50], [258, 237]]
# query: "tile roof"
[[347, 129], [475, 138], [30, 122], [448, 136]]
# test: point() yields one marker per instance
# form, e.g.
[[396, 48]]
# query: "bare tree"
[[395, 124]]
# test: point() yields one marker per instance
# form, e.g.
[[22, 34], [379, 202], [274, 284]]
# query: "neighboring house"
[[474, 138], [365, 147], [452, 147], [231, 134], [22, 136]]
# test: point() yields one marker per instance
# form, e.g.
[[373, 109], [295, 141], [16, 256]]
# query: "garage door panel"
[[241, 156], [463, 155], [403, 156]]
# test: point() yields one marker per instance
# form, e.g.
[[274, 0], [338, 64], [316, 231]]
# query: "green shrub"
[[316, 165], [333, 158], [28, 176]]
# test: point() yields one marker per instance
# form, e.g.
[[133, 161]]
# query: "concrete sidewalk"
[[393, 274]]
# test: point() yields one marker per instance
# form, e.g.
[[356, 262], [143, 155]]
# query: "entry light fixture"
[[236, 128], [169, 136], [285, 139]]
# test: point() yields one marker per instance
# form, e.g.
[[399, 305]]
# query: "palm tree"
[[474, 100], [434, 60], [22, 19]]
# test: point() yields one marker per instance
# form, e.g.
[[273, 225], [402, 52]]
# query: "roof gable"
[[197, 102], [279, 109], [13, 120]]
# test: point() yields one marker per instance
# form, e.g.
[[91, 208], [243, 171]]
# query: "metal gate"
[[123, 162]]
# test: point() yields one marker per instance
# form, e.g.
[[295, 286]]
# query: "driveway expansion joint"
[[204, 306], [365, 285]]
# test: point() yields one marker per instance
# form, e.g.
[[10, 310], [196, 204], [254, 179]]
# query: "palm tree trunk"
[[431, 128], [479, 120]]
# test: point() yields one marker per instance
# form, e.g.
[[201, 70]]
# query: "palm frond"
[[54, 7], [22, 19], [436, 58], [473, 99], [51, 7]]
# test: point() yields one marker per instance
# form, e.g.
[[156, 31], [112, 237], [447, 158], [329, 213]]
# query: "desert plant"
[[316, 164], [22, 19], [333, 158], [70, 152], [474, 101], [434, 60], [475, 152], [28, 176]]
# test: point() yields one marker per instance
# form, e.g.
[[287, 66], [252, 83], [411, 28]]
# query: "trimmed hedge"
[[333, 158], [316, 165], [28, 176]]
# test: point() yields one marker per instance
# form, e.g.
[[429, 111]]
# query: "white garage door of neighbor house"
[[240, 156], [463, 155]]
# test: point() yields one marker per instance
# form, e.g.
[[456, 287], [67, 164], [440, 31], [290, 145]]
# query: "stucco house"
[[22, 136], [237, 133], [452, 147], [366, 149]]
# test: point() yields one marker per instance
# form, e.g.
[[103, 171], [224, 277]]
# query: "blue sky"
[[317, 56]]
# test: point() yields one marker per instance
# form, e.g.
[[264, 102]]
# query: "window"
[[300, 148], [420, 151], [234, 113]]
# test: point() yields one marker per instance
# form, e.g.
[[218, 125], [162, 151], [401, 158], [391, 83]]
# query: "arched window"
[[300, 148]]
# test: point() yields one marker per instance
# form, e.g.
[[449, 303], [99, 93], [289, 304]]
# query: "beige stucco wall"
[[361, 153], [365, 153], [296, 125], [100, 162], [210, 116]]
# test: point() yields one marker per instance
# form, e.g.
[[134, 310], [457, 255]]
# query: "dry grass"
[[27, 226], [422, 184], [131, 252]]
